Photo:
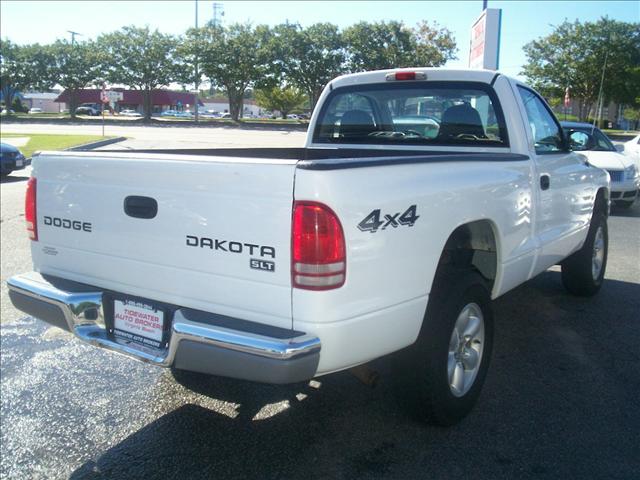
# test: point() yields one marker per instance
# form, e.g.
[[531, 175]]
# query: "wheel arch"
[[474, 244]]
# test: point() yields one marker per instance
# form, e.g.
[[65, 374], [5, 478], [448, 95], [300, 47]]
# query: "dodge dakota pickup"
[[419, 196]]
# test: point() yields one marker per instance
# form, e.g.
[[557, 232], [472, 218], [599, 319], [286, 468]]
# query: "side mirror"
[[579, 140], [619, 148]]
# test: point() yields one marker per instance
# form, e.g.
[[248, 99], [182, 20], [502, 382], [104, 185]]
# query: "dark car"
[[11, 159], [85, 110]]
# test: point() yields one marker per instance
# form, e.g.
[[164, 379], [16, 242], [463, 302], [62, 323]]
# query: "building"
[[221, 105], [44, 100], [161, 100], [611, 116]]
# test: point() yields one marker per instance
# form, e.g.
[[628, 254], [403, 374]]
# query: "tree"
[[74, 67], [231, 57], [574, 55], [143, 60], [308, 58], [381, 45], [282, 99], [23, 68]]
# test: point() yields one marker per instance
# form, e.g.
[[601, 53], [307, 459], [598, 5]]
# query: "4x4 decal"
[[372, 222]]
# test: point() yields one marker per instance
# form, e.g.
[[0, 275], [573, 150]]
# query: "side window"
[[545, 130]]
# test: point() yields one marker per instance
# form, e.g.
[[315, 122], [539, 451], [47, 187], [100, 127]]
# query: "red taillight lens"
[[318, 260], [30, 209], [405, 75]]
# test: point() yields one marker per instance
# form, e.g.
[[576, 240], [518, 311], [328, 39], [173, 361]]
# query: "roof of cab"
[[433, 74]]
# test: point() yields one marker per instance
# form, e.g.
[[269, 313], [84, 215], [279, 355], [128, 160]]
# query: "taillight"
[[318, 256], [30, 209], [406, 76]]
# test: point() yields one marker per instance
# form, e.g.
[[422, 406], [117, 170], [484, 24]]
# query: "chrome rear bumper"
[[199, 341]]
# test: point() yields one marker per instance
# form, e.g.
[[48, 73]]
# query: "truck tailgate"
[[219, 242]]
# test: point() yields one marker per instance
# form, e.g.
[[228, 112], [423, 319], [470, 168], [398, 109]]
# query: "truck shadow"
[[562, 375]]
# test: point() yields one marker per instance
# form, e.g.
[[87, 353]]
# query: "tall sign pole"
[[197, 78], [104, 98]]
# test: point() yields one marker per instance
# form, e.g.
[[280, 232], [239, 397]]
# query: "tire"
[[583, 272], [428, 372], [624, 204]]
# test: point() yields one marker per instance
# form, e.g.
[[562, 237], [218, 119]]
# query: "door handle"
[[545, 182], [140, 207]]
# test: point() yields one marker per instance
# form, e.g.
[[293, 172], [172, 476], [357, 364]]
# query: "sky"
[[522, 21]]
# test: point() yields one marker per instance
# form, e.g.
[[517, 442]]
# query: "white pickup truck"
[[419, 197]]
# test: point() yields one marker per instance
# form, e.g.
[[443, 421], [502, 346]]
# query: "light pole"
[[196, 82], [73, 36]]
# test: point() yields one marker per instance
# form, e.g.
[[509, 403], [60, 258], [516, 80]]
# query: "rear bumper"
[[199, 341]]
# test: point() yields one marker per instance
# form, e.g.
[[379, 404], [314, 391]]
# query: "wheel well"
[[473, 245], [601, 203]]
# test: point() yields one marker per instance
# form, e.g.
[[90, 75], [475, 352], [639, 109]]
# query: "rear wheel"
[[440, 377], [583, 272]]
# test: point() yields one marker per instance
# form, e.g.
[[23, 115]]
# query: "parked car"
[[632, 149], [130, 113], [185, 114], [87, 111], [280, 264], [601, 153], [11, 159], [169, 113], [225, 115], [5, 112], [35, 110]]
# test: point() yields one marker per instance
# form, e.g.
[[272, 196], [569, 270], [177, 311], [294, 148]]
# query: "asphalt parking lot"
[[561, 397]]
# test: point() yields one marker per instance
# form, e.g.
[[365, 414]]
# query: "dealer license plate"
[[138, 322]]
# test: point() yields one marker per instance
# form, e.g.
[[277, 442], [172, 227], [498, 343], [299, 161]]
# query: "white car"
[[35, 110], [632, 149], [278, 265], [601, 153], [130, 113]]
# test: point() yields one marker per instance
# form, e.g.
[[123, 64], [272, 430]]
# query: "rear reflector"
[[318, 258], [406, 76], [30, 209]]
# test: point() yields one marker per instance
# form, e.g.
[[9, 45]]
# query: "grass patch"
[[39, 141]]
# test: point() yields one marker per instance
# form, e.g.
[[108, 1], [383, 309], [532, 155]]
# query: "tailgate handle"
[[140, 207]]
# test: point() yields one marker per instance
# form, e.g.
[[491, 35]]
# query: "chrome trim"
[[84, 314]]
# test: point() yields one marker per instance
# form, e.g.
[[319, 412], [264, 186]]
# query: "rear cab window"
[[416, 113]]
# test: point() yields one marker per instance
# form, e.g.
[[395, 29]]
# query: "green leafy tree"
[[24, 68], [282, 99], [142, 59], [232, 58], [308, 58], [574, 55], [381, 45], [74, 67]]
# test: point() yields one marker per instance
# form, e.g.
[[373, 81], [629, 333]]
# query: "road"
[[173, 137], [561, 398]]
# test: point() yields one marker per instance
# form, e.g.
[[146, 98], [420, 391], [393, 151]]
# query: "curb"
[[94, 145]]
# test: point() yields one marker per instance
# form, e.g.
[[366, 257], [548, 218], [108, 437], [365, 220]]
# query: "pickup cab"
[[419, 197]]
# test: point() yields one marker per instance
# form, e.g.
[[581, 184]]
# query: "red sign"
[[104, 98], [567, 99]]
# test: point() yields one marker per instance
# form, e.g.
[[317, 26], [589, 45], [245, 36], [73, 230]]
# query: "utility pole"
[[484, 4], [73, 36], [218, 8], [196, 82]]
